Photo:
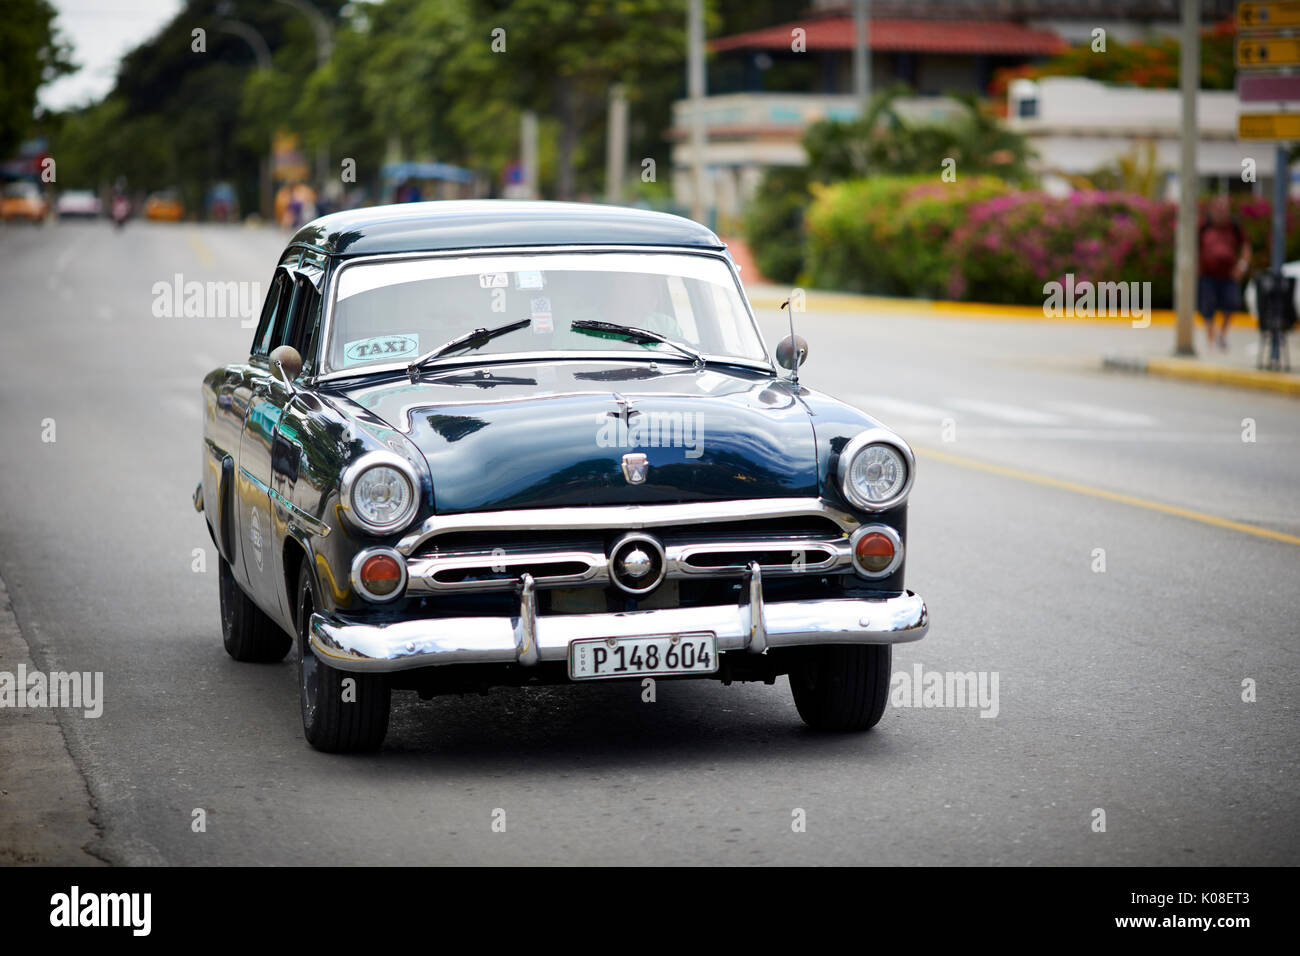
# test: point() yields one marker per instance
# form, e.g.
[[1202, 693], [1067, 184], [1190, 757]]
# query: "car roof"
[[483, 223]]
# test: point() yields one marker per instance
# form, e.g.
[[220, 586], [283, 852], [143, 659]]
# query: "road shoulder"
[[47, 816]]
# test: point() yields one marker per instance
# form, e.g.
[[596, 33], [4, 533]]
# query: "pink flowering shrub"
[[1009, 246], [979, 240]]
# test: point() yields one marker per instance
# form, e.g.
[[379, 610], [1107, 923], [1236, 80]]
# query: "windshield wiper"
[[637, 336], [470, 340]]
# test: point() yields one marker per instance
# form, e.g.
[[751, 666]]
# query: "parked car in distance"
[[482, 443], [23, 200], [77, 204], [164, 206]]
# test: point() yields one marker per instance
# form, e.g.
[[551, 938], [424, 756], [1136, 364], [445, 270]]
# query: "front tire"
[[842, 686], [248, 634], [336, 718]]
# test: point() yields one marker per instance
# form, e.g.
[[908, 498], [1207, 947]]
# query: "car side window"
[[273, 313], [306, 323]]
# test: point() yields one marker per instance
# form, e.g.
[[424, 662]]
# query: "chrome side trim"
[[509, 640], [626, 517]]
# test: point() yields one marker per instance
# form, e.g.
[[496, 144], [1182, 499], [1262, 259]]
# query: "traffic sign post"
[[1268, 58], [1271, 15]]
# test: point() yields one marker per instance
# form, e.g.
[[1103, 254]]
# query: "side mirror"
[[286, 363], [791, 352]]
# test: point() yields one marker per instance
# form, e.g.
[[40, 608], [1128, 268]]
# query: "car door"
[[287, 439], [265, 399]]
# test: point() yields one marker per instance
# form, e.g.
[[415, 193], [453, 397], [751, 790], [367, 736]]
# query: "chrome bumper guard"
[[527, 638]]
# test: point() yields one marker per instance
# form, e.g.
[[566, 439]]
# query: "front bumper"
[[527, 638]]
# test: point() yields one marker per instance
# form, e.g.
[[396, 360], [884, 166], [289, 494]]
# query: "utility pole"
[[1185, 249], [1281, 182], [861, 53], [616, 144], [528, 151], [695, 91]]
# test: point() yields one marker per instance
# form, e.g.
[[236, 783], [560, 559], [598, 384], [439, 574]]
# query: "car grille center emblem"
[[636, 564], [635, 466]]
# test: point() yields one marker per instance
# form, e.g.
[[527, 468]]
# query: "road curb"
[[1193, 370]]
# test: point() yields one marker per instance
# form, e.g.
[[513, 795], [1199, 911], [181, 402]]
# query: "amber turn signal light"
[[875, 552], [381, 575]]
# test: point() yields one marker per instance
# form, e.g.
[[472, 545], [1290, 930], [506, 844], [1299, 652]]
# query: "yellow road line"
[[1077, 488], [199, 246]]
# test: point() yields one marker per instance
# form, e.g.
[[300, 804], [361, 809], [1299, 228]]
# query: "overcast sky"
[[101, 32]]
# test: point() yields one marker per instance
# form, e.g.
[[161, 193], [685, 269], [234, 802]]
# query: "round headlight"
[[379, 493], [876, 470]]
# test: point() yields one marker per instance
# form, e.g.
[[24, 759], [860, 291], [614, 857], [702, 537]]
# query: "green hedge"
[[889, 235], [774, 223]]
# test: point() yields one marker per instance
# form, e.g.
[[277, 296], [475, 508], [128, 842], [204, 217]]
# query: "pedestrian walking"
[[1224, 257]]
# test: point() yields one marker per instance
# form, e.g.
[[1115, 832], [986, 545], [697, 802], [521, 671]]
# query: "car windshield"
[[394, 311]]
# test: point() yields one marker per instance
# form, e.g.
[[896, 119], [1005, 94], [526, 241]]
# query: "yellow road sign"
[[1268, 51], [1281, 126], [1271, 15]]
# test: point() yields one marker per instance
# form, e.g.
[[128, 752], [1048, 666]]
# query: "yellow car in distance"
[[164, 207], [23, 200]]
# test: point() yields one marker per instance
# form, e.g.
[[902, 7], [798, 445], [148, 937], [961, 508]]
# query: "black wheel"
[[249, 635], [337, 717], [842, 686]]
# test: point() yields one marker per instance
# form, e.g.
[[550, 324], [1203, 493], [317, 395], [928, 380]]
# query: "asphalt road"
[[1119, 690]]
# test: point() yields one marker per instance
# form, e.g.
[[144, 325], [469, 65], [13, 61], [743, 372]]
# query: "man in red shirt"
[[1223, 260]]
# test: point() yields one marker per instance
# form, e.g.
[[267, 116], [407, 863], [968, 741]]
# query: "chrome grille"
[[492, 552]]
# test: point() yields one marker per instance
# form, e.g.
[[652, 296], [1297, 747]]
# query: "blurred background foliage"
[[407, 79]]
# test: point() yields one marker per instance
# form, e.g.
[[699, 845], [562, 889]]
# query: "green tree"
[[32, 53]]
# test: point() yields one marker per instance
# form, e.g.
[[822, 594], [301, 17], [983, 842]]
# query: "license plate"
[[601, 658]]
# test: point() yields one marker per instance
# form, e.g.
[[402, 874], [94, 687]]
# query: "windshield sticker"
[[380, 348], [529, 279], [493, 280], [542, 315]]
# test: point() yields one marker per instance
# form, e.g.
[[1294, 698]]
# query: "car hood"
[[536, 435]]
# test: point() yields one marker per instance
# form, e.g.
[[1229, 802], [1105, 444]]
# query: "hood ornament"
[[635, 466]]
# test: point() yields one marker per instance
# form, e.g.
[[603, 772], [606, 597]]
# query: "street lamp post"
[[695, 81], [861, 54]]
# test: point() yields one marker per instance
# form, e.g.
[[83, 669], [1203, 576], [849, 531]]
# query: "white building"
[[1077, 126]]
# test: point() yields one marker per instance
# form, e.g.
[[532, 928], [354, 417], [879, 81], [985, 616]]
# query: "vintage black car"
[[497, 443]]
